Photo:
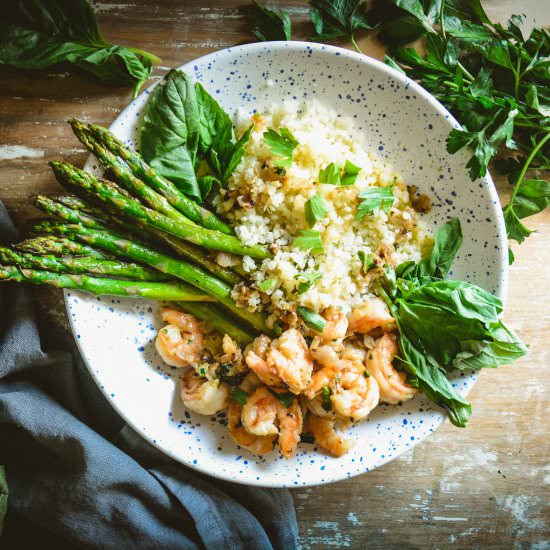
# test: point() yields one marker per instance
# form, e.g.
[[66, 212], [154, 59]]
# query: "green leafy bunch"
[[182, 125], [493, 79], [35, 34], [446, 325]]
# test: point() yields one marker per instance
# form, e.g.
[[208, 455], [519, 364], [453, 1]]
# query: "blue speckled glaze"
[[406, 126]]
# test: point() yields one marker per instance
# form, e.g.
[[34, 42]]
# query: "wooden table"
[[487, 486]]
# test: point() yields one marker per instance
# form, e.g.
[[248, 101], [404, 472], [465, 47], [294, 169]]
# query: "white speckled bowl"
[[406, 126]]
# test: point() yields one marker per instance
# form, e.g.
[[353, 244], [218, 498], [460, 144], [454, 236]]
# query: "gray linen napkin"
[[80, 478]]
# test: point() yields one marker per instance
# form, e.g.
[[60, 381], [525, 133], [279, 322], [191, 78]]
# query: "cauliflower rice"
[[265, 205]]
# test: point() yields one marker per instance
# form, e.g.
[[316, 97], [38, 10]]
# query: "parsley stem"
[[442, 19], [357, 48], [530, 158]]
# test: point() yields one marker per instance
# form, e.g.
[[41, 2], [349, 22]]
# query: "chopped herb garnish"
[[330, 174], [306, 280], [202, 371], [282, 145], [306, 437], [286, 398], [326, 398], [367, 261], [316, 208], [334, 174], [372, 199], [239, 395], [312, 319], [309, 239], [268, 284], [350, 174], [366, 373]]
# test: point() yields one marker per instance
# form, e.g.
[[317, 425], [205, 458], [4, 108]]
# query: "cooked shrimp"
[[286, 361], [351, 393], [201, 395], [336, 324], [263, 415], [181, 342], [370, 315], [391, 382], [325, 435], [254, 443]]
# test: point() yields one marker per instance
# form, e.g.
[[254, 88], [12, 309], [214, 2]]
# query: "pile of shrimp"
[[278, 390]]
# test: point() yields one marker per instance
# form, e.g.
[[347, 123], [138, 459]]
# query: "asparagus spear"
[[143, 171], [150, 197], [65, 207], [216, 318], [78, 266], [166, 264], [72, 176], [58, 246], [107, 287]]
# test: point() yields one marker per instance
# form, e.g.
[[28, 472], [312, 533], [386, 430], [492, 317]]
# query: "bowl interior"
[[404, 126]]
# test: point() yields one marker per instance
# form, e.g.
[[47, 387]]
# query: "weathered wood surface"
[[487, 486]]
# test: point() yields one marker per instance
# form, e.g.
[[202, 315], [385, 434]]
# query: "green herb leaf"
[[268, 284], [286, 398], [373, 199], [306, 280], [282, 145], [3, 496], [330, 174], [239, 395], [333, 174], [338, 19], [315, 208], [36, 35], [216, 138], [447, 242], [312, 319], [271, 24], [309, 239], [533, 196], [326, 398], [367, 261], [169, 132]]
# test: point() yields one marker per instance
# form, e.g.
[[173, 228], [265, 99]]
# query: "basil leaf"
[[282, 145], [271, 24], [236, 154], [309, 239], [36, 35], [239, 395], [447, 242], [307, 280], [312, 319], [315, 208], [427, 376], [3, 496], [373, 199], [504, 348], [169, 133]]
